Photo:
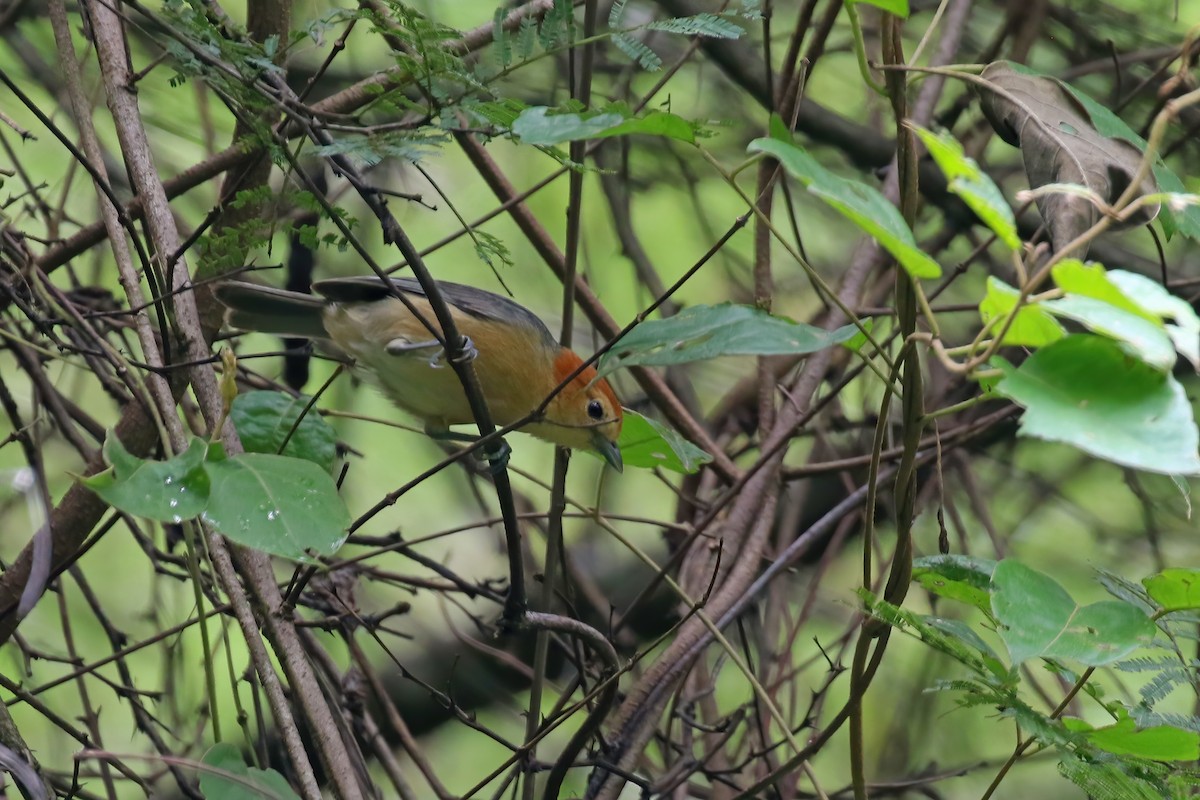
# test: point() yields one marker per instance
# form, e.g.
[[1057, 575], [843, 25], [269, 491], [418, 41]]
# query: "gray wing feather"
[[474, 302]]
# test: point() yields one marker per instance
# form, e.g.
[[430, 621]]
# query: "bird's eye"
[[595, 409]]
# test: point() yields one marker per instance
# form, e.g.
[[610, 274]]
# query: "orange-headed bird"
[[517, 360]]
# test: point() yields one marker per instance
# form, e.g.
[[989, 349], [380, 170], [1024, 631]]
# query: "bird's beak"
[[608, 450]]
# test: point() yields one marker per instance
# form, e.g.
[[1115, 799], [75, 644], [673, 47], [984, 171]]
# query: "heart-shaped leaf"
[[1039, 619], [280, 505], [265, 419]]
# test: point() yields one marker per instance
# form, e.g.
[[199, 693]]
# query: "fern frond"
[[526, 38], [500, 38], [638, 51], [709, 25], [615, 13]]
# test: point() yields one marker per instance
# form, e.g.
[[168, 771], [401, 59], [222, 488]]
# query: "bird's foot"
[[493, 461], [466, 354], [497, 460]]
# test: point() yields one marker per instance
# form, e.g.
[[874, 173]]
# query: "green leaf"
[[1153, 297], [860, 337], [1086, 391], [1158, 743], [655, 123], [648, 444], [1039, 619], [1092, 280], [966, 579], [898, 8], [167, 491], [1174, 589], [280, 505], [779, 129], [228, 778], [970, 183], [537, 125], [1144, 339], [1138, 295], [861, 204], [264, 419], [1033, 327], [699, 333]]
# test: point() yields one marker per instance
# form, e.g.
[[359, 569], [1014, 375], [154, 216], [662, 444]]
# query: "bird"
[[518, 361]]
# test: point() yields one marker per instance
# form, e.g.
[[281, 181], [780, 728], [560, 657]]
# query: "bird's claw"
[[469, 351], [497, 460], [466, 354]]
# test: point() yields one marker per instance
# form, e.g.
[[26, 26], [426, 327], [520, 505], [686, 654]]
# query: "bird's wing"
[[473, 302]]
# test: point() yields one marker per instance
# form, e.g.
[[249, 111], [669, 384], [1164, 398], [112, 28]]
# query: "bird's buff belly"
[[422, 384]]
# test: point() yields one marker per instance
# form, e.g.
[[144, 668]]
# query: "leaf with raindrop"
[[281, 505], [167, 491], [284, 506]]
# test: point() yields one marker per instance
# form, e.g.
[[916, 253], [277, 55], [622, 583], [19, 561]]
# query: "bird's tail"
[[263, 308]]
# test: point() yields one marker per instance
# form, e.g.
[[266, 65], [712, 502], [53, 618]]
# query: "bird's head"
[[585, 415]]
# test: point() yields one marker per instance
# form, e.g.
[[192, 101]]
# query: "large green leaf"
[[228, 778], [699, 333], [861, 204], [280, 505], [969, 182], [647, 443], [167, 491], [1033, 327], [1086, 391], [1039, 619], [264, 419]]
